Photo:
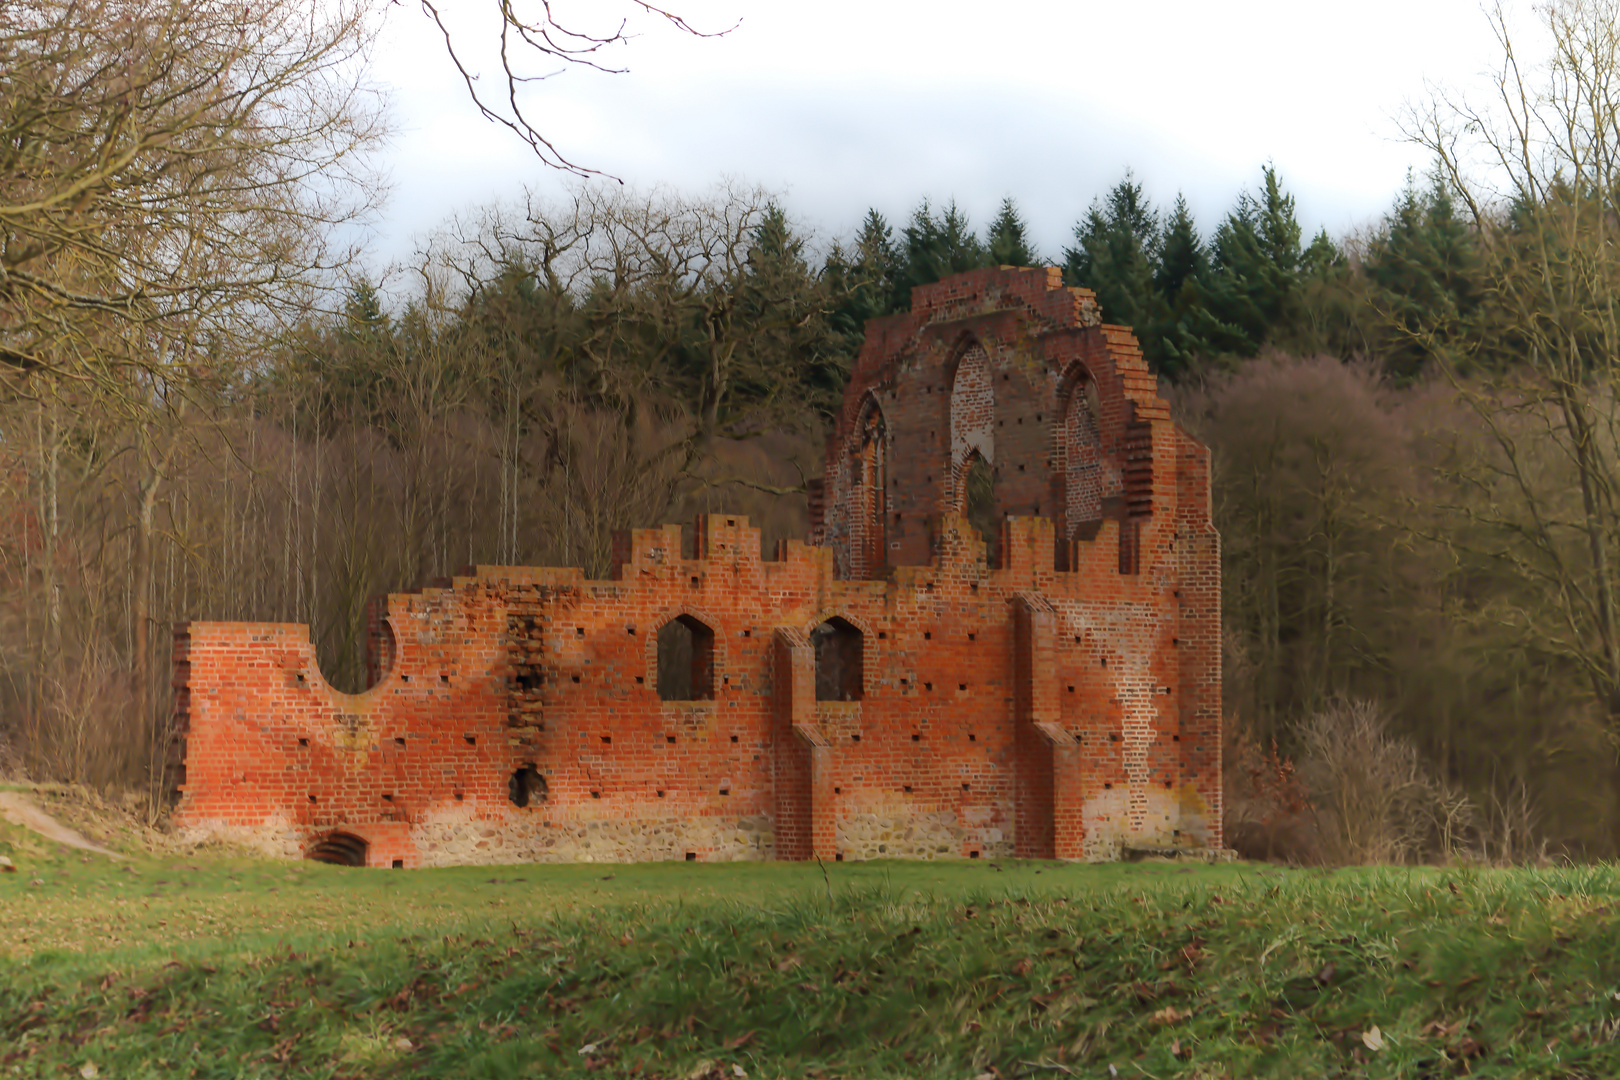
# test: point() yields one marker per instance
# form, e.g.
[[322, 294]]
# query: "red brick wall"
[[1021, 708]]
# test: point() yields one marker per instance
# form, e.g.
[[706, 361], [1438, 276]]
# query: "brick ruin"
[[895, 687]]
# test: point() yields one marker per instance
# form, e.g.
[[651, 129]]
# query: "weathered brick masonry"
[[880, 691]]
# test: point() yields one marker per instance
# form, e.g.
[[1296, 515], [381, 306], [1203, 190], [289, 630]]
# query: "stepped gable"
[[1001, 638]]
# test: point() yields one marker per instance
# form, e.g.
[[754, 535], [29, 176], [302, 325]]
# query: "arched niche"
[[1087, 482], [685, 660], [973, 411], [840, 649], [868, 531]]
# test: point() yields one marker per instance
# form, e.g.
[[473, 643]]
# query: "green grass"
[[217, 967]]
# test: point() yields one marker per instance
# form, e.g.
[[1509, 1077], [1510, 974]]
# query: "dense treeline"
[[1413, 425]]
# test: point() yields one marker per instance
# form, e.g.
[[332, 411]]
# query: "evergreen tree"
[[788, 306], [1113, 256], [1181, 255], [1255, 287], [1007, 241], [1180, 273], [863, 281], [937, 247], [1421, 271]]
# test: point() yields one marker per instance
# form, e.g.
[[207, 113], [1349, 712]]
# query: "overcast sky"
[[846, 104]]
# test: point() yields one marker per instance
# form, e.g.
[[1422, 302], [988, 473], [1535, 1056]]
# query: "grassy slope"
[[212, 967]]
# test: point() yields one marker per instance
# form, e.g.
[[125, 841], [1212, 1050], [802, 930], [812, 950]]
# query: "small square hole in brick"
[[883, 635], [928, 635], [1071, 689], [641, 680], [399, 742], [734, 738], [303, 742], [404, 678], [472, 740], [729, 521], [398, 864], [445, 679], [838, 857], [838, 791], [961, 686], [916, 737], [388, 796], [906, 789], [460, 796], [313, 799], [854, 738], [691, 856], [1175, 738], [694, 582], [973, 854], [748, 633], [972, 636], [670, 739], [596, 794], [928, 686], [1108, 787], [972, 737], [630, 630], [576, 678], [725, 791], [660, 794], [607, 738], [967, 787], [1175, 832], [580, 630], [1167, 783]]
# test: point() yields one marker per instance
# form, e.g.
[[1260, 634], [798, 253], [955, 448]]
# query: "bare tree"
[[171, 172], [1538, 167]]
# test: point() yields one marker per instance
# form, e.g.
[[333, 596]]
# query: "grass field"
[[226, 967]]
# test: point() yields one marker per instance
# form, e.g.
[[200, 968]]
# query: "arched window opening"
[[840, 670], [339, 849], [685, 660], [526, 786], [979, 506]]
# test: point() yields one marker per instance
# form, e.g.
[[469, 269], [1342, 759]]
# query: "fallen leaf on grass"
[[89, 1071], [789, 964], [1170, 1015], [1372, 1038], [404, 1044]]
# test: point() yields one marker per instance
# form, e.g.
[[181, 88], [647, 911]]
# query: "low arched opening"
[[339, 849]]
